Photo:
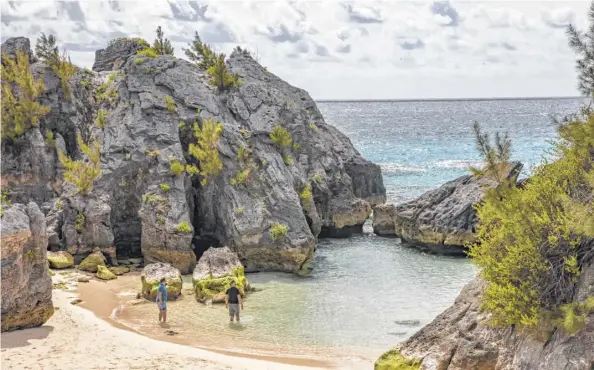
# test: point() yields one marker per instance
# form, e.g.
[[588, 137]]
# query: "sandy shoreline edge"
[[75, 338]]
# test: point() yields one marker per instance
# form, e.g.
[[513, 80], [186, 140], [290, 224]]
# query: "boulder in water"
[[151, 277], [383, 220], [93, 260], [215, 271], [60, 259], [26, 283]]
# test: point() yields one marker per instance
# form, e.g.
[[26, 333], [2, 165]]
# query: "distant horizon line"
[[444, 99]]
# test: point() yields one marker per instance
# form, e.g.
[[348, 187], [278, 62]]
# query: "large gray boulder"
[[26, 283], [116, 53], [460, 338], [151, 278], [11, 46], [215, 271], [441, 220]]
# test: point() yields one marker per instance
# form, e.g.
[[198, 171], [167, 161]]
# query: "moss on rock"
[[152, 275], [394, 360], [60, 260], [119, 270], [103, 273], [92, 261], [214, 288]]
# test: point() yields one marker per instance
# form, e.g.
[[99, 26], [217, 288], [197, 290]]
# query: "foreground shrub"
[[82, 173], [20, 108]]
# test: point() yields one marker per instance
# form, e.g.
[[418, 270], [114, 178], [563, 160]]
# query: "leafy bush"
[[281, 137], [101, 119], [176, 168], [183, 227], [170, 103], [162, 45], [306, 195], [496, 157], [532, 241], [82, 173], [206, 150], [20, 108], [278, 231], [50, 140], [164, 188], [148, 52]]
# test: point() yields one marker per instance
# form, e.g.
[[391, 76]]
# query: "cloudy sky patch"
[[388, 49]]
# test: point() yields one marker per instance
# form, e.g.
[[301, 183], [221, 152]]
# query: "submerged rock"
[[151, 277], [460, 338], [215, 271], [103, 273], [92, 261], [441, 220], [60, 260], [26, 283]]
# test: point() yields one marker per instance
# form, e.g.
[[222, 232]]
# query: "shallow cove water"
[[366, 293]]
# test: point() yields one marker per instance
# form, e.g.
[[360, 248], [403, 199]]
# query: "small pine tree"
[[200, 53], [46, 49], [281, 137], [20, 108], [220, 77], [162, 45], [82, 173], [206, 150], [496, 158], [583, 45], [65, 70]]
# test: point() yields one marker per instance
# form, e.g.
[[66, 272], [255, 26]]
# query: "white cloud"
[[337, 49]]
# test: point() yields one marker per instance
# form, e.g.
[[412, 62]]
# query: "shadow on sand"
[[21, 338]]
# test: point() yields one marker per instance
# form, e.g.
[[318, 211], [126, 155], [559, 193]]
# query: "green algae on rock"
[[119, 270], [103, 273], [215, 271], [60, 260], [151, 276], [92, 261], [394, 360]]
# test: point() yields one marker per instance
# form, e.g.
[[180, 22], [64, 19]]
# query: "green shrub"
[[50, 140], [101, 119], [59, 204], [183, 227], [281, 137], [296, 147], [4, 201], [220, 77], [161, 219], [573, 317], [65, 70], [46, 49], [176, 168], [162, 45], [278, 231], [529, 239], [306, 195], [192, 170], [148, 52], [138, 61], [85, 83], [241, 178], [164, 188], [243, 155], [288, 160], [170, 103], [20, 108], [82, 173], [206, 149], [239, 210], [79, 222], [200, 53]]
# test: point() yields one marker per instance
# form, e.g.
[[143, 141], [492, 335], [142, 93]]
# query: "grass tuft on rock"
[[394, 360]]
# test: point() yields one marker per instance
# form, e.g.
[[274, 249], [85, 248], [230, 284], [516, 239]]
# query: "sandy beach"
[[76, 338]]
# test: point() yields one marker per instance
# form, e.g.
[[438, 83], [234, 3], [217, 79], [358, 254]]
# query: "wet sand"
[[116, 303]]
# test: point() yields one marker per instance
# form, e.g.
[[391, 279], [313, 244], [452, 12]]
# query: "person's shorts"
[[162, 306], [233, 309]]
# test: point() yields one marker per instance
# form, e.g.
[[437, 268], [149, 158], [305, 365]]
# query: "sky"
[[342, 49]]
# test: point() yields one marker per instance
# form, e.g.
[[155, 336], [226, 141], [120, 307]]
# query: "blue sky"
[[341, 49]]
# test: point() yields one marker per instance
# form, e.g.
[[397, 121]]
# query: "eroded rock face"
[[115, 55], [459, 338], [442, 220], [215, 271], [15, 44], [26, 284], [151, 277], [383, 220]]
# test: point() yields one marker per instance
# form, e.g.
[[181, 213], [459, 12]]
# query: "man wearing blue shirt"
[[162, 300]]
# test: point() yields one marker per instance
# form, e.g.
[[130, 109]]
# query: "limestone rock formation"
[[151, 277], [459, 338], [441, 220], [104, 273], [60, 260], [150, 106], [92, 261], [383, 220], [215, 271], [26, 284]]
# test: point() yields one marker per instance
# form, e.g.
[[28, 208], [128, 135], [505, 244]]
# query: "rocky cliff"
[[26, 284], [460, 339], [142, 111], [441, 220]]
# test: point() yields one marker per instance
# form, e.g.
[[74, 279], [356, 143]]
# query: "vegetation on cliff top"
[[534, 240], [46, 49]]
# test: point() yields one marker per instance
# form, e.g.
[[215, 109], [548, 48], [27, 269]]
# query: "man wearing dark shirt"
[[233, 301]]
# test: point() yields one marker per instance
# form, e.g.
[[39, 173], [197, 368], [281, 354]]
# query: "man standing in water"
[[233, 301], [162, 300]]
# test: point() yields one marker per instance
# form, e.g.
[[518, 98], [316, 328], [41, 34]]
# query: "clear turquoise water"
[[360, 287]]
